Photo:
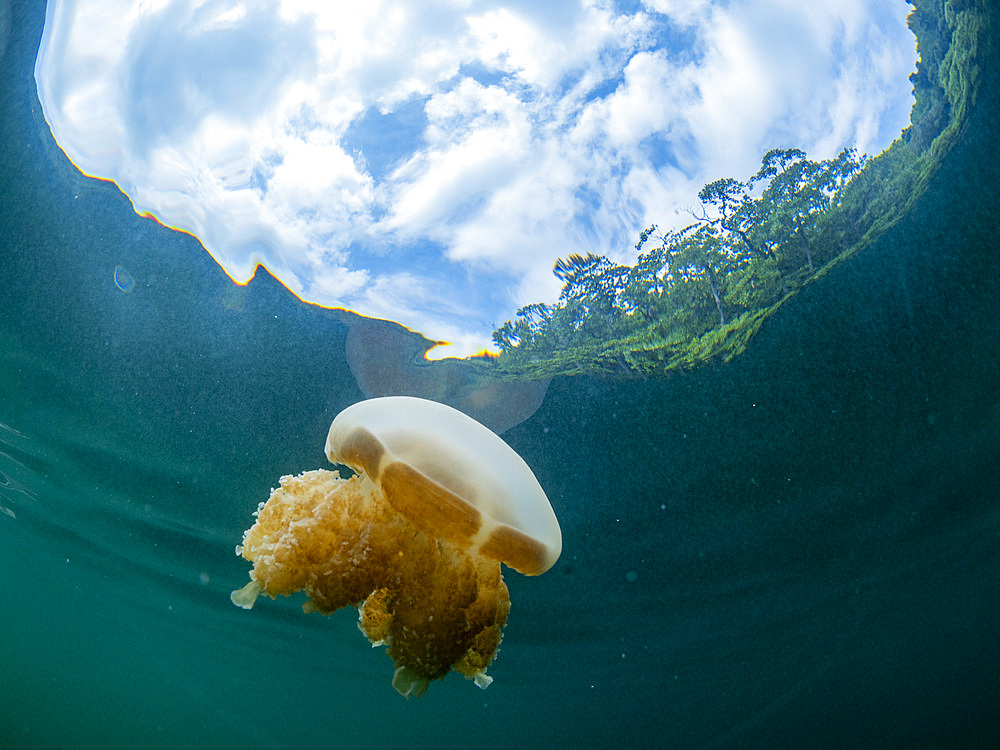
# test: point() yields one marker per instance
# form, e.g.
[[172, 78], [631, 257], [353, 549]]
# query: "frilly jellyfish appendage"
[[408, 683], [435, 605], [246, 596]]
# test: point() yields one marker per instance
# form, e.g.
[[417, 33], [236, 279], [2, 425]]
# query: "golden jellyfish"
[[414, 539]]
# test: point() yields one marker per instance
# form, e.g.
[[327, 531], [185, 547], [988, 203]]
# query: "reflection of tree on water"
[[703, 291]]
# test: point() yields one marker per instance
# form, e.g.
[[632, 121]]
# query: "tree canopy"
[[753, 241]]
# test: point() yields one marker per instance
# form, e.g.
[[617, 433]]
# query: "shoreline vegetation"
[[700, 294]]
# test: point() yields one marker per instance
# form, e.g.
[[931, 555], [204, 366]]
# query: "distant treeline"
[[702, 292]]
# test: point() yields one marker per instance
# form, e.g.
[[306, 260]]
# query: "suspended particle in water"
[[123, 279]]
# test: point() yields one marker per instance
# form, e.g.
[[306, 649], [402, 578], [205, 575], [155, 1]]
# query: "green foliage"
[[702, 292], [697, 284]]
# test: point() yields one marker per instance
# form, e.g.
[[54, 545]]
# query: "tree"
[[753, 241]]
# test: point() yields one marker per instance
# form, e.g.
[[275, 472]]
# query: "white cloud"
[[428, 161], [687, 12], [476, 137]]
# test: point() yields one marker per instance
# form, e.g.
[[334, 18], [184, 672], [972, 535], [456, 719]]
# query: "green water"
[[796, 549]]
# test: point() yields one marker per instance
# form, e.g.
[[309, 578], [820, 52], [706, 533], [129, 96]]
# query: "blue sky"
[[427, 161]]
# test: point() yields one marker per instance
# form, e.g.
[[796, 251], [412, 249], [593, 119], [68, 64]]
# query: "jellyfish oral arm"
[[246, 596]]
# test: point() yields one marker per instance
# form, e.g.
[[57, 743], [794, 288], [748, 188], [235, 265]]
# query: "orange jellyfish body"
[[434, 604]]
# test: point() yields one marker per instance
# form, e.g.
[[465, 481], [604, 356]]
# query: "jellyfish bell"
[[450, 476], [414, 540]]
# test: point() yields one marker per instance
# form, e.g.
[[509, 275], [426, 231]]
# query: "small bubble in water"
[[631, 576], [123, 279]]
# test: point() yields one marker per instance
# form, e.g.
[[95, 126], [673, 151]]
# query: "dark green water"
[[798, 549]]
